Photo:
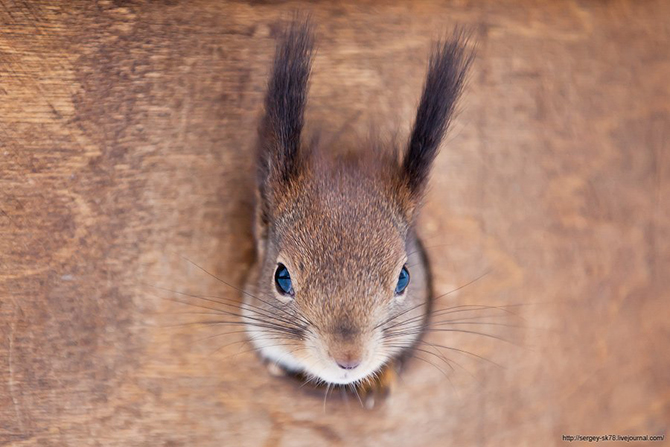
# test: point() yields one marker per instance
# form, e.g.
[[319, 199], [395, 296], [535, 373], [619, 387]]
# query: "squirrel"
[[340, 290]]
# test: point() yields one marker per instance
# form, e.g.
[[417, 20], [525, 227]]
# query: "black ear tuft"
[[447, 72], [279, 151]]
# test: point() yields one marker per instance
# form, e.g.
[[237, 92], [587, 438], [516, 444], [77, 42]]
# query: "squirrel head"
[[335, 238]]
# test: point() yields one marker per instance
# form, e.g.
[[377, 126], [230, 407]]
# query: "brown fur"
[[343, 226]]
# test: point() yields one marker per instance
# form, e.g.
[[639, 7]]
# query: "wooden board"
[[126, 130]]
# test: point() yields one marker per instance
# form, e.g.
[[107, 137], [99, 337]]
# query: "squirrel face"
[[335, 255], [340, 287]]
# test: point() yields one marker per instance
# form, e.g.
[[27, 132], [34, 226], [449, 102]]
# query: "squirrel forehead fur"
[[346, 221]]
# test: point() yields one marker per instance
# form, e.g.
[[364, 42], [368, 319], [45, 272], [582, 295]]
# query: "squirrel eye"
[[403, 281], [283, 280]]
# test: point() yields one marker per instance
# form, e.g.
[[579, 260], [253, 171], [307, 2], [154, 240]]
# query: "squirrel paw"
[[377, 389], [275, 370]]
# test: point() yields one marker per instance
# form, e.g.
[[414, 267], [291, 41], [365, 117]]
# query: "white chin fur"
[[286, 360], [340, 377]]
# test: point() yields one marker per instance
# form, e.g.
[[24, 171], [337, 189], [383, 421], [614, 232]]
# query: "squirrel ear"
[[447, 72], [279, 155]]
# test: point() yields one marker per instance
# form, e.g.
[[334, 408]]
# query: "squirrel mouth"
[[369, 391]]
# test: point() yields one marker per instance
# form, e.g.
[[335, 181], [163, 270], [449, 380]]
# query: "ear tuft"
[[281, 127], [447, 73]]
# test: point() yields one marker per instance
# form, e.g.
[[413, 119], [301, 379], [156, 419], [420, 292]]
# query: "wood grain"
[[126, 130]]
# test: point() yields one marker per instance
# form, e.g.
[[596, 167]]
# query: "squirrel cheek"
[[400, 298]]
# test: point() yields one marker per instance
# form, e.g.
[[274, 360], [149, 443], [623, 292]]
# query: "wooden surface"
[[125, 143]]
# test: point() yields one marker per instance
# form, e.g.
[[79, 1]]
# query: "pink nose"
[[348, 363]]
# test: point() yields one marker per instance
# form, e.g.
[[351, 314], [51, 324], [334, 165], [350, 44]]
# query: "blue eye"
[[283, 280], [403, 280]]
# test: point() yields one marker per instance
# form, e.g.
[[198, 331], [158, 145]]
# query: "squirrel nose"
[[348, 362]]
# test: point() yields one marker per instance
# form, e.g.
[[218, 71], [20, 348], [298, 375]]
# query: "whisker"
[[267, 324], [243, 331], [235, 288], [325, 397], [485, 323], [432, 300], [451, 310], [353, 388], [463, 286], [418, 329], [390, 319], [436, 367], [484, 334], [476, 317], [473, 307], [451, 348], [247, 350], [440, 357], [459, 365], [232, 303], [285, 331]]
